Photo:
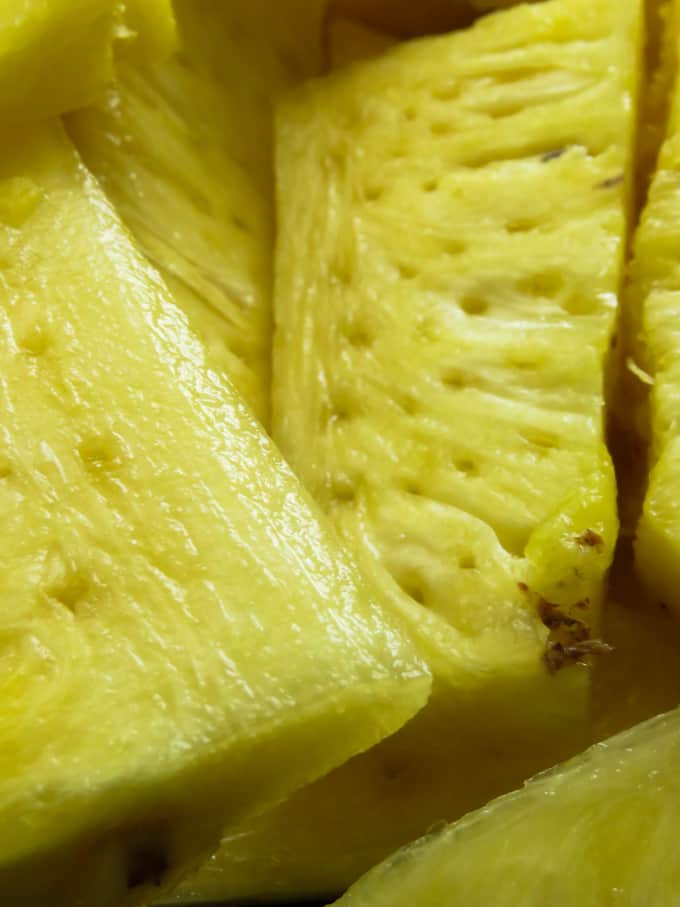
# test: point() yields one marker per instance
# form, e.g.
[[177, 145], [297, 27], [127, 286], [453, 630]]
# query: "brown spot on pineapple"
[[569, 640], [590, 539], [612, 182], [553, 155]]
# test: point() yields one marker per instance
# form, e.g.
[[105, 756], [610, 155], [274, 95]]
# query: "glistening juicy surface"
[[598, 831], [183, 149], [180, 639]]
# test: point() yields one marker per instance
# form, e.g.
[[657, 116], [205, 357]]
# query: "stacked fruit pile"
[[429, 254]]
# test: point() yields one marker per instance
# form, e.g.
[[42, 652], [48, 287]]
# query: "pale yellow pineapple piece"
[[182, 641], [439, 358], [452, 223], [600, 830], [183, 149], [654, 307]]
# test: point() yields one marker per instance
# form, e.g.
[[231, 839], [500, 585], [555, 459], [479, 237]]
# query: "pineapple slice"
[[181, 640], [58, 56], [183, 149], [439, 358], [599, 830], [654, 308], [384, 382]]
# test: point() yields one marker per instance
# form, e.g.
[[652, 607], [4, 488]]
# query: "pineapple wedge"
[[461, 450], [183, 149], [58, 56], [599, 830], [654, 307], [452, 231], [181, 640]]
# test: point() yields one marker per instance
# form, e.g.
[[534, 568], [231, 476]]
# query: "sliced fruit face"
[[182, 641], [599, 830], [654, 307], [453, 222], [183, 149]]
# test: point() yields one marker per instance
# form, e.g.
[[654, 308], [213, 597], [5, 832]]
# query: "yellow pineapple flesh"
[[452, 230], [439, 358], [182, 640], [654, 307], [183, 149], [599, 830]]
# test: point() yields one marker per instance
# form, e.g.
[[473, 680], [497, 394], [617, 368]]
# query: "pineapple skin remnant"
[[452, 222], [181, 641], [600, 831], [184, 151], [654, 308]]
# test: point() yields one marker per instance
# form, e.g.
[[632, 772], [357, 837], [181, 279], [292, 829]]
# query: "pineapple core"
[[182, 641], [452, 222]]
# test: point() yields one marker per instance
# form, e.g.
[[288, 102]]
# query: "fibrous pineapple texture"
[[599, 830], [453, 221], [184, 150], [655, 304], [452, 227], [181, 641]]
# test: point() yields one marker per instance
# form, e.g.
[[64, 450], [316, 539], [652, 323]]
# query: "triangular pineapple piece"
[[601, 829], [181, 640], [654, 302], [444, 441], [58, 56], [183, 149]]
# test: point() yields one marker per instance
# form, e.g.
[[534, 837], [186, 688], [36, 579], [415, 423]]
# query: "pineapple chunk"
[[452, 230], [460, 453], [599, 830], [181, 640], [654, 307], [58, 56], [183, 150]]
